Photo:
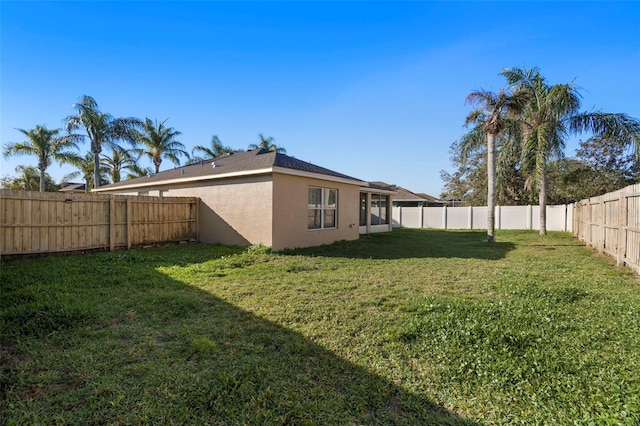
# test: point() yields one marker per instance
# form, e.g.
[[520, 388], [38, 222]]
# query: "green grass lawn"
[[411, 327]]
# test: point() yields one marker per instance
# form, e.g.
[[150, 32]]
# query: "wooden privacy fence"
[[48, 222], [611, 224]]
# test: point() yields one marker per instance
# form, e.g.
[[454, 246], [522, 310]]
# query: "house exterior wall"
[[290, 212], [235, 211]]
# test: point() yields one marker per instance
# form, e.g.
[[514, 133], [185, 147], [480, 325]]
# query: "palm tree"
[[159, 142], [102, 129], [120, 160], [489, 118], [47, 146], [28, 179], [87, 173], [268, 144], [216, 149], [136, 171], [551, 115]]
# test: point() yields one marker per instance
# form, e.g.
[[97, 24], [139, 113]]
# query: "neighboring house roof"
[[431, 198], [257, 161], [402, 194], [73, 187]]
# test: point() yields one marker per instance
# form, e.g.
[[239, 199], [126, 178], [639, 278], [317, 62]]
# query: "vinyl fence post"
[[601, 224], [444, 217], [470, 218]]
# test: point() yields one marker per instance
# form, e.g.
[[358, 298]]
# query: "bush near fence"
[[49, 222], [611, 224]]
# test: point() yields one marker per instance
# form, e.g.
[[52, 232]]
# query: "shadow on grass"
[[413, 243], [142, 347]]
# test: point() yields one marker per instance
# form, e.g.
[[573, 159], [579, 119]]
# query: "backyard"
[[409, 327]]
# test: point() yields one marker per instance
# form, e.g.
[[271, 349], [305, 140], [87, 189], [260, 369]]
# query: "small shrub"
[[258, 249], [202, 346]]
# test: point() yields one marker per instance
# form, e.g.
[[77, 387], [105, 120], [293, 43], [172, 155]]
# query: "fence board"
[[34, 222], [611, 224]]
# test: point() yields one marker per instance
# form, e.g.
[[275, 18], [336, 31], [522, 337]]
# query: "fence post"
[[499, 217], [602, 224], [470, 218], [622, 229], [444, 217], [586, 218], [197, 217], [129, 225], [112, 223], [421, 217]]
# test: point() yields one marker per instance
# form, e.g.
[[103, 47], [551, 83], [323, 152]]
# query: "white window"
[[322, 208]]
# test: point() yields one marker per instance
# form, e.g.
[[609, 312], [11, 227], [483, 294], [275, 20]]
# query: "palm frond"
[[474, 139]]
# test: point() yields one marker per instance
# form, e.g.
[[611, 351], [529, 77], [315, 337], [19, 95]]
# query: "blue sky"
[[374, 90]]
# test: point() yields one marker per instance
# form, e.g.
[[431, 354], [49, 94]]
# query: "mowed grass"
[[412, 327]]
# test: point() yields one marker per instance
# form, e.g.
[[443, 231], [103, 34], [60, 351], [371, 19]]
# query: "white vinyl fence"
[[559, 218]]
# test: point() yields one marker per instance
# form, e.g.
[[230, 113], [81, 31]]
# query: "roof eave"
[[377, 190], [185, 180], [267, 170], [312, 175]]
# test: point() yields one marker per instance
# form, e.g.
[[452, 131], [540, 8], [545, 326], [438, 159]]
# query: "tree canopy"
[[159, 141], [267, 143], [46, 145], [101, 129], [529, 142]]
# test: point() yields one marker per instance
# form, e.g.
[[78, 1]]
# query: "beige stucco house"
[[269, 198]]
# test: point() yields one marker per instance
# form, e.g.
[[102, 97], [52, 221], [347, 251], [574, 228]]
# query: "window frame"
[[323, 208]]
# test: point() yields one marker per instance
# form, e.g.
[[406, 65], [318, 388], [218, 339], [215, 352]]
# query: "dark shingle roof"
[[382, 186], [404, 194], [73, 187], [238, 162], [430, 197]]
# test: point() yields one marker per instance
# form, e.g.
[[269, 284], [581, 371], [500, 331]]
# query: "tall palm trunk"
[[42, 179], [543, 201], [491, 187], [96, 169], [42, 168], [541, 169]]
